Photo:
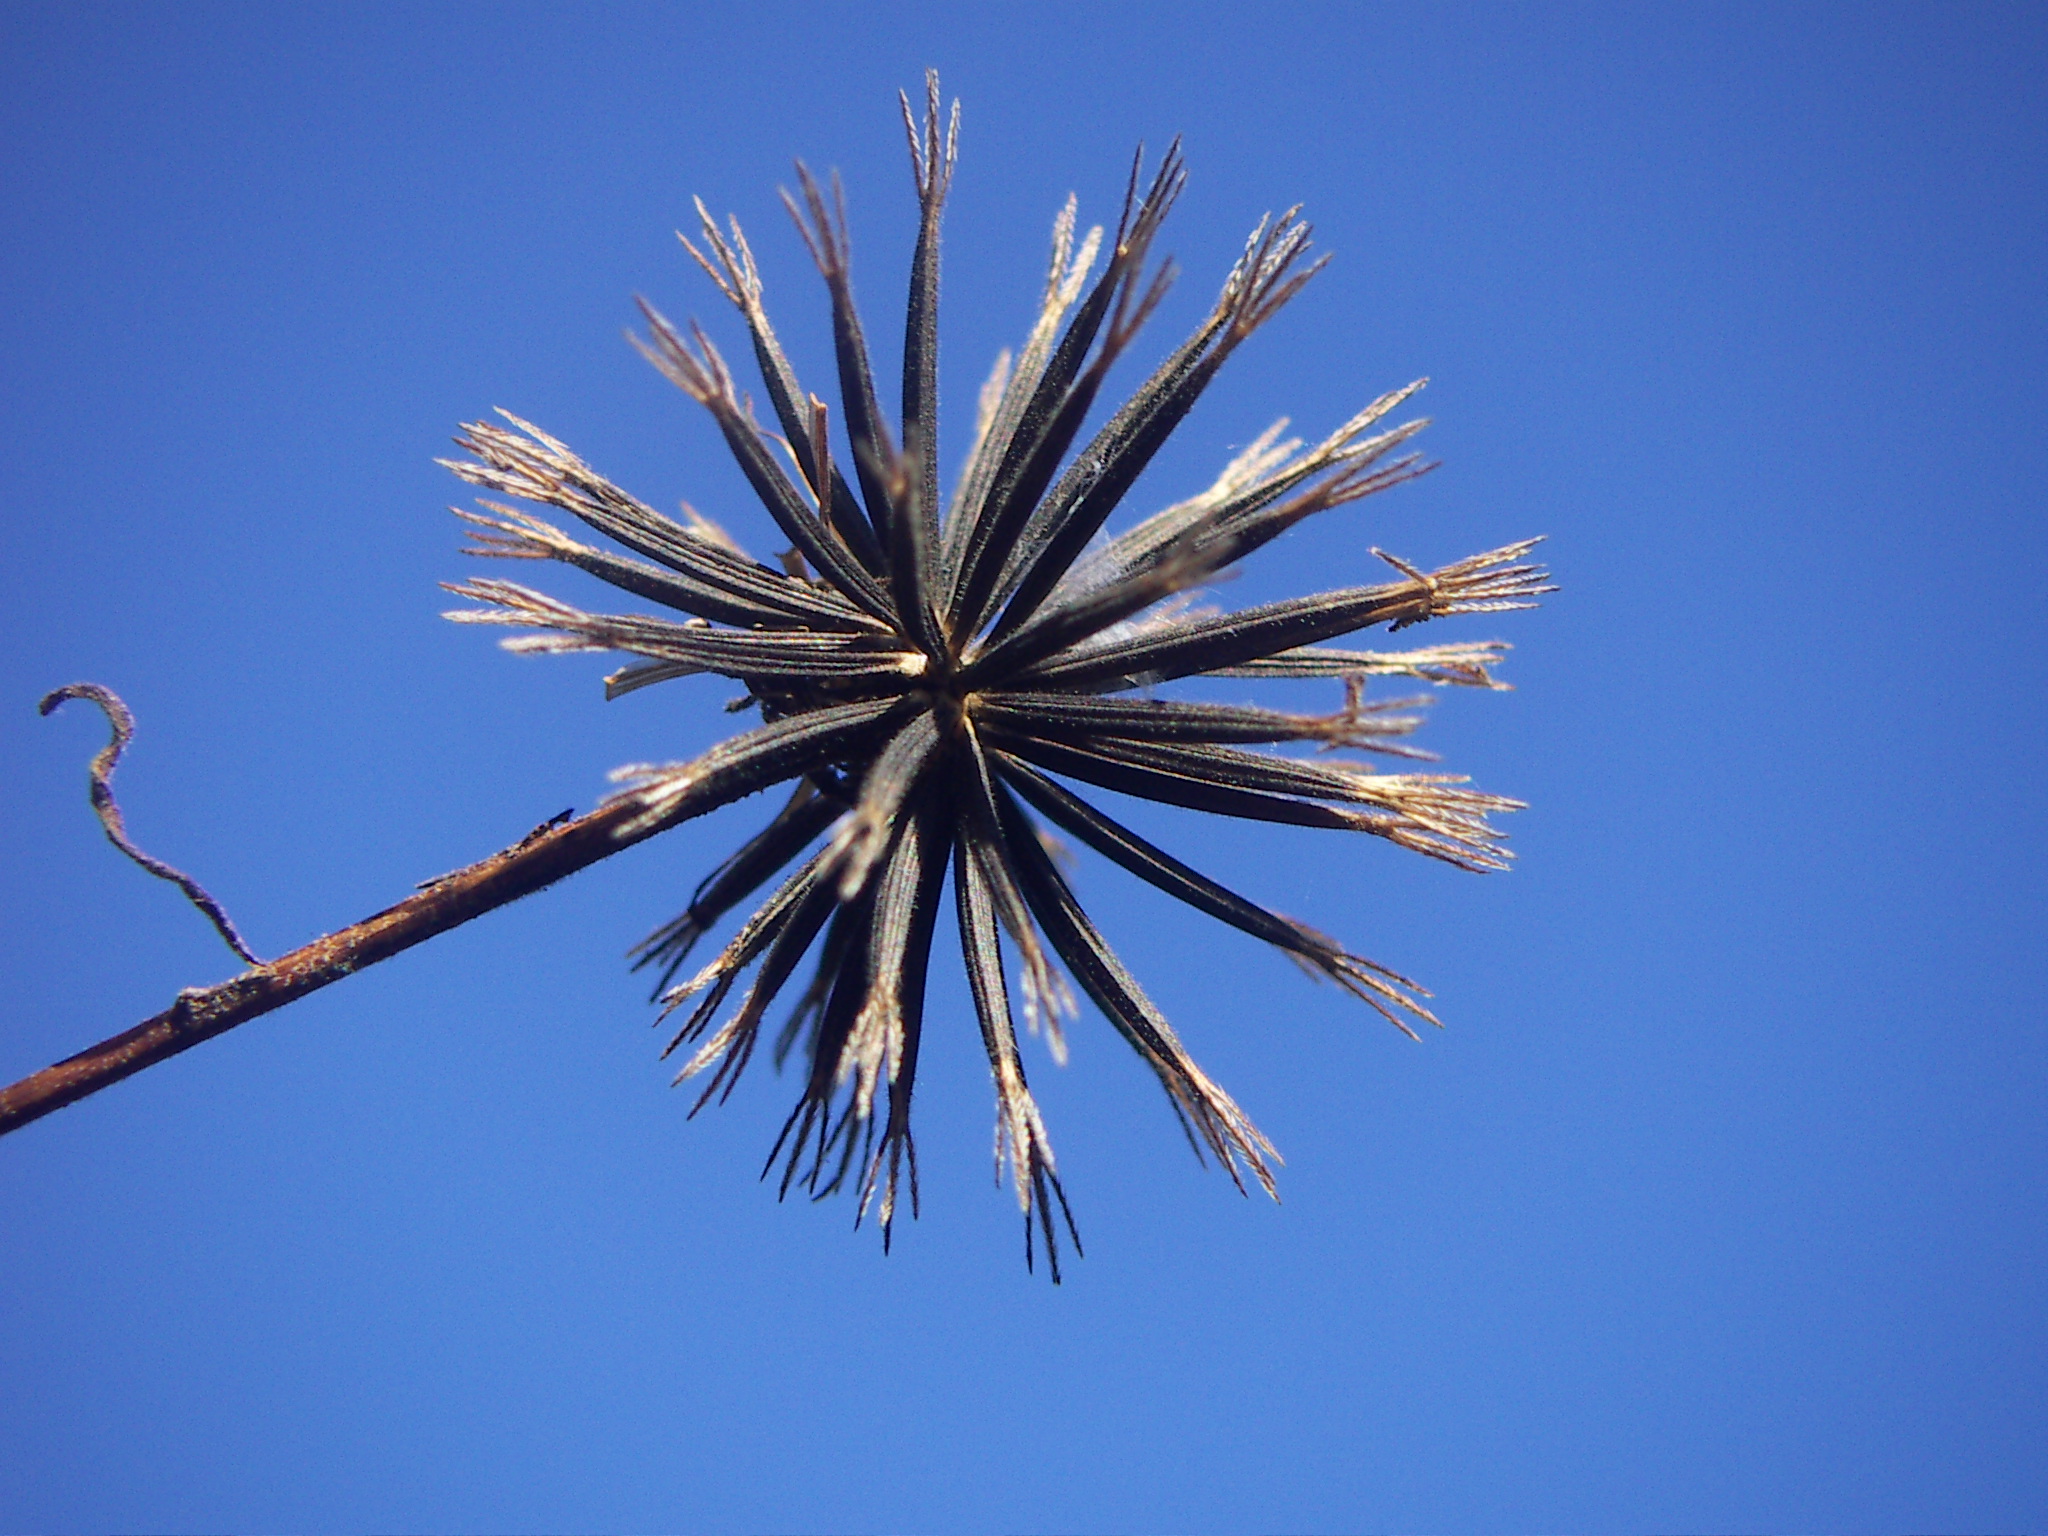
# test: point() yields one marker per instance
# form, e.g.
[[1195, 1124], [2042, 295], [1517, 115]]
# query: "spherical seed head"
[[932, 680]]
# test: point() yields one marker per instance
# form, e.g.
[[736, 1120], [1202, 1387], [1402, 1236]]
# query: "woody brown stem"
[[540, 859]]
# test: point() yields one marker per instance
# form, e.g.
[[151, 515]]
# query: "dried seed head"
[[927, 680]]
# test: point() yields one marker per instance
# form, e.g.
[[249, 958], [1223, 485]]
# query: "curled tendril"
[[122, 719]]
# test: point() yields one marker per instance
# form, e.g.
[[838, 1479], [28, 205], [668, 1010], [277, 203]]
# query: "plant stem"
[[540, 859]]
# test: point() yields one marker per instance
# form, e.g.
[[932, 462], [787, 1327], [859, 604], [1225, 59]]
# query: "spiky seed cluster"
[[927, 681]]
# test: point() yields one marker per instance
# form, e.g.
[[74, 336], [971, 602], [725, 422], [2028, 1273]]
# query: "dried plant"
[[927, 677]]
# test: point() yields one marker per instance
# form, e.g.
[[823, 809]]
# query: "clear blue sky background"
[[1720, 1203]]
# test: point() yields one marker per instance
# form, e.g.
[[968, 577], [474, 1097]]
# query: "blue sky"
[[1718, 1205]]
